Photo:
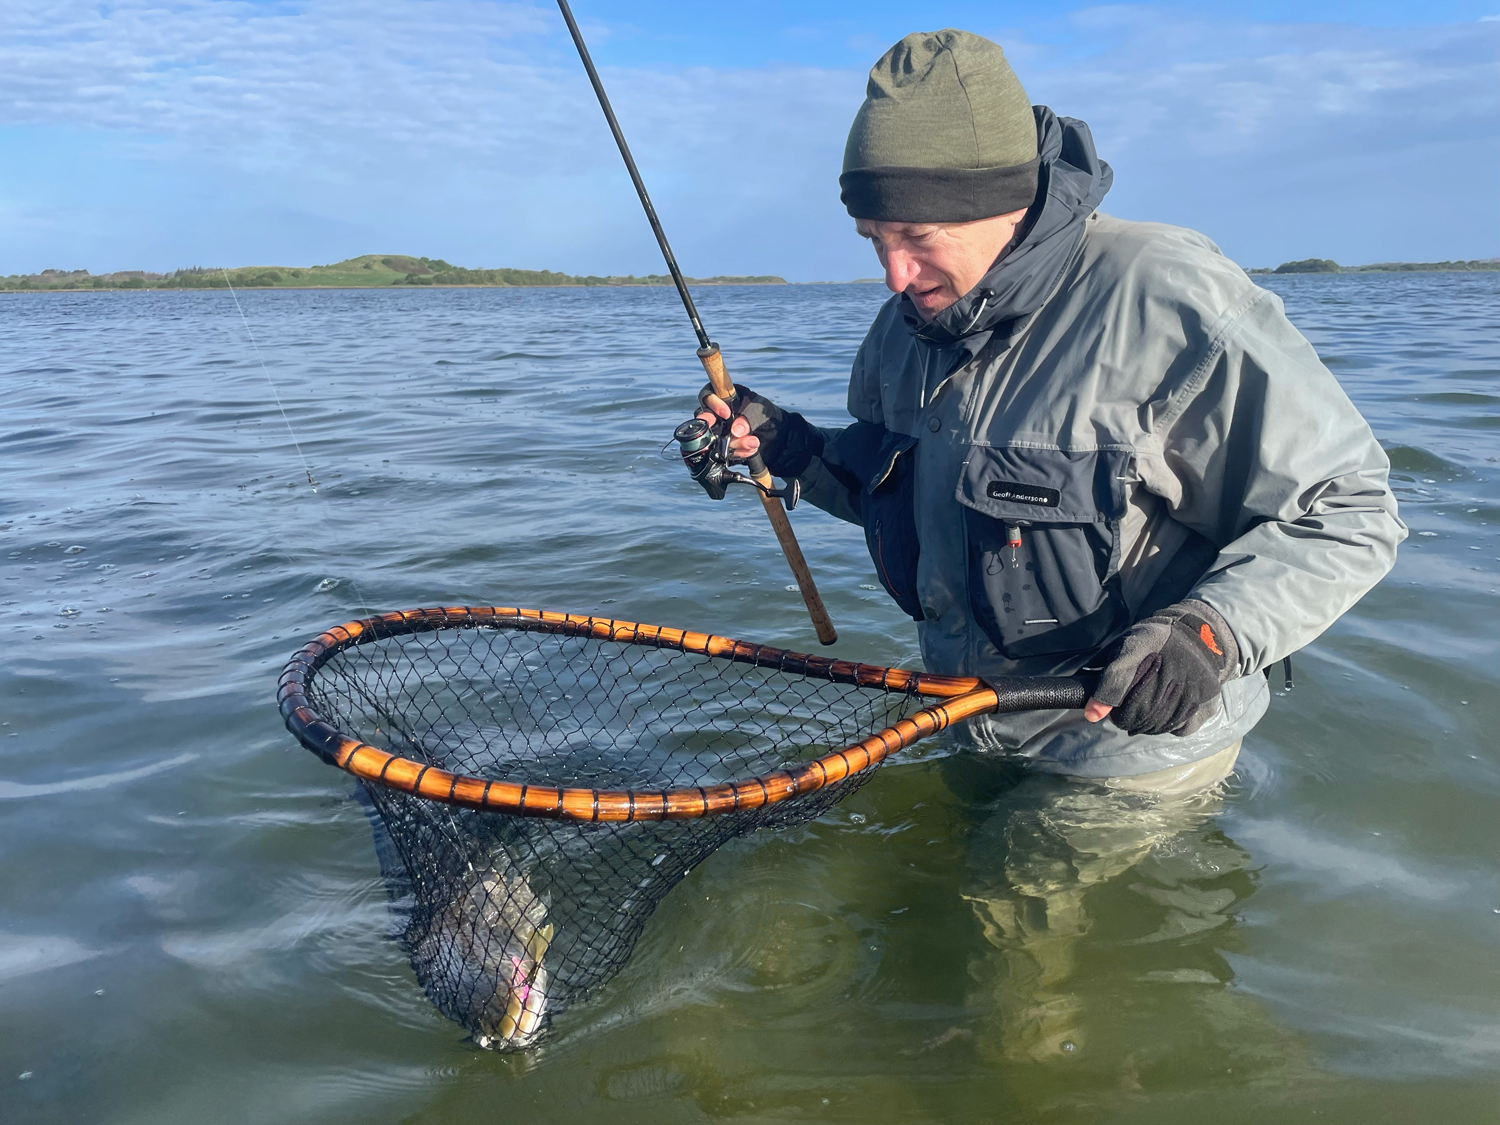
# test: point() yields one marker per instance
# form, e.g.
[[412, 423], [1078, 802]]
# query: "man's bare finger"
[[1095, 710], [717, 405]]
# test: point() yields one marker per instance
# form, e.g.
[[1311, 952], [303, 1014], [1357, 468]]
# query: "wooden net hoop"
[[958, 698]]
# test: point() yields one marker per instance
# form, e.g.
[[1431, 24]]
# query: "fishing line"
[[291, 433], [264, 370]]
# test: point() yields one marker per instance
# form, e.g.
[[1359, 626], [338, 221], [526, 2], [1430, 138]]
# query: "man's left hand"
[[1167, 671]]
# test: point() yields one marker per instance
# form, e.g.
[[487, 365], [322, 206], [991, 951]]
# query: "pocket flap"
[[868, 450], [1044, 485]]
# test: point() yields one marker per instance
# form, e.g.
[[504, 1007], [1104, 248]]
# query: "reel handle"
[[718, 378]]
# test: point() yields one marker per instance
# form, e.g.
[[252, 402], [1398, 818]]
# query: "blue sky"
[[162, 133]]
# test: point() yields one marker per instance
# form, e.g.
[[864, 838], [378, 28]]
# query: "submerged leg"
[[1044, 864]]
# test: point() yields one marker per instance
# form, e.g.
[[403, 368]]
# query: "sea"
[[193, 923]]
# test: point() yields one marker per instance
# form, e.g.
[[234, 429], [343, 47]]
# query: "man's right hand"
[[742, 443], [787, 441]]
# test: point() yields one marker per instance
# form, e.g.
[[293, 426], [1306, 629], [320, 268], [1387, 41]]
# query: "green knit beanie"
[[945, 135]]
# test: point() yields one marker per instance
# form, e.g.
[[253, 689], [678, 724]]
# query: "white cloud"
[[400, 105], [470, 124], [1289, 140], [236, 77], [339, 78], [1229, 87]]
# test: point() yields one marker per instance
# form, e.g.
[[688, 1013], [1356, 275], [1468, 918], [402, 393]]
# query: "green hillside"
[[365, 272], [1328, 265]]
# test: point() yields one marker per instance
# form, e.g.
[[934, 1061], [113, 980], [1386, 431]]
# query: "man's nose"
[[901, 270]]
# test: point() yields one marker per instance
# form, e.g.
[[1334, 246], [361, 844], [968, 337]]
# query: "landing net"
[[545, 780]]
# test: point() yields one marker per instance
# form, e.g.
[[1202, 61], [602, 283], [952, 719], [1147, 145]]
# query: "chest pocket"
[[1043, 529]]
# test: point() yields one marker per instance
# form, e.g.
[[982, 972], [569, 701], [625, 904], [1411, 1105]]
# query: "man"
[[1078, 442]]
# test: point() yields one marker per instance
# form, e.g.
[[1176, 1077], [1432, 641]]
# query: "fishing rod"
[[711, 358]]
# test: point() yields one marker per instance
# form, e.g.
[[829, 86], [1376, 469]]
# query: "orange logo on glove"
[[1206, 635]]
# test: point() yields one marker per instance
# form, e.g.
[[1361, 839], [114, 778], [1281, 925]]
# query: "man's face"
[[937, 263]]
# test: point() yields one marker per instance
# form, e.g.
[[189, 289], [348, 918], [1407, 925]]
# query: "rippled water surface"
[[192, 922]]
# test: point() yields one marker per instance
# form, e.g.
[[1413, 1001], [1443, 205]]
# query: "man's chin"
[[928, 309]]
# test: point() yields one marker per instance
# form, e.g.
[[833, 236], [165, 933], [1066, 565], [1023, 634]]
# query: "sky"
[[159, 134]]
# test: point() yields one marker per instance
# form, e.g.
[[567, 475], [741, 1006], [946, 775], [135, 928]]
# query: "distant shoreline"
[[1308, 266], [400, 271], [695, 282], [369, 271]]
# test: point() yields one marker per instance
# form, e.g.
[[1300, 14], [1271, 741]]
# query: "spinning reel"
[[706, 455]]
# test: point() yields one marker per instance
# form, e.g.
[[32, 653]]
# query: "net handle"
[[959, 698]]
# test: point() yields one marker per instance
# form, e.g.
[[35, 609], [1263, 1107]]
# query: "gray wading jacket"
[[1124, 402]]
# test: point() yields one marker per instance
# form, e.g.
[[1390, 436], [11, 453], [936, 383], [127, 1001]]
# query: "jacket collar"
[[1071, 183]]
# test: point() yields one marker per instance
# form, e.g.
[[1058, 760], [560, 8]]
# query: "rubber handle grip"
[[1042, 693]]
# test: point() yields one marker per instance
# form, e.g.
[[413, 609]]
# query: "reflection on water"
[[1090, 901], [193, 925]]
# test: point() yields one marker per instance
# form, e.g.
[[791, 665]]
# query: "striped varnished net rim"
[[542, 780]]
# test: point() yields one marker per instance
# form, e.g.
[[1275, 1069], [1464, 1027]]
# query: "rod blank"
[[635, 175], [708, 352]]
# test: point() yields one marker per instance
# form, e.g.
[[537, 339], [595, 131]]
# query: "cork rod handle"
[[718, 378]]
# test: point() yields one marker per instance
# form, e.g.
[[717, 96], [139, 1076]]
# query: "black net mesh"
[[512, 919]]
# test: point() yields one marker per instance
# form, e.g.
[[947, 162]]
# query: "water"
[[192, 924]]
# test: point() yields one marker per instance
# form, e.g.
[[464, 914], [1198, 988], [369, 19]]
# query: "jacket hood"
[[1071, 183]]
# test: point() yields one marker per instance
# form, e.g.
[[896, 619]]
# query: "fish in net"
[[541, 780]]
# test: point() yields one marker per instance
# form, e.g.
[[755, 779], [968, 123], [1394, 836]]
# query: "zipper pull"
[[1013, 540]]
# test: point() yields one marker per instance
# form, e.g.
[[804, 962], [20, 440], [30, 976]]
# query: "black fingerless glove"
[[1165, 674], [788, 441]]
